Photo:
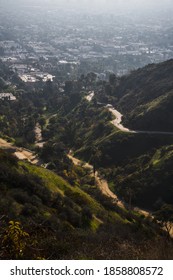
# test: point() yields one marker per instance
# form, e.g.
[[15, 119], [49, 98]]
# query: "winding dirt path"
[[101, 183], [117, 122], [104, 187]]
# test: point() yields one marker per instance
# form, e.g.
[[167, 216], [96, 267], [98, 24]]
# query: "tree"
[[2, 83], [112, 79], [165, 217], [68, 87], [95, 157], [15, 240], [86, 217]]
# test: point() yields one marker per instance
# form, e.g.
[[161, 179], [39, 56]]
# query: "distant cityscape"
[[60, 46]]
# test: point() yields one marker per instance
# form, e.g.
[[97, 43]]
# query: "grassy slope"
[[56, 184], [28, 185], [52, 211]]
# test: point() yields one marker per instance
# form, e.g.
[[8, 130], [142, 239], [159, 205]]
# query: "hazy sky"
[[123, 3], [98, 5]]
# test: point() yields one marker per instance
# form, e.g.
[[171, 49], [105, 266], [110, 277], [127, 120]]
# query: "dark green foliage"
[[145, 97]]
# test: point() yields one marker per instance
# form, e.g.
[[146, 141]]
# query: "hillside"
[[60, 217], [60, 205], [145, 97], [146, 179]]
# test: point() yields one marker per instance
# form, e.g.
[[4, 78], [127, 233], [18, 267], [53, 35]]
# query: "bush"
[[29, 210]]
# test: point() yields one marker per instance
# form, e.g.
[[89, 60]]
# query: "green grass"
[[52, 181], [57, 184], [95, 223], [161, 156], [156, 103], [156, 158]]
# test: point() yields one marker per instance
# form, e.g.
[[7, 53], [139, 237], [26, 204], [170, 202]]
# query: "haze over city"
[[97, 5]]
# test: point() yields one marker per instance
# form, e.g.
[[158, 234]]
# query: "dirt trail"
[[104, 187], [20, 153], [117, 122], [118, 119], [101, 183], [38, 136], [4, 143]]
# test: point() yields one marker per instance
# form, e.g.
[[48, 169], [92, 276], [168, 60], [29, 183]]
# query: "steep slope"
[[69, 222], [35, 192], [146, 180], [145, 97]]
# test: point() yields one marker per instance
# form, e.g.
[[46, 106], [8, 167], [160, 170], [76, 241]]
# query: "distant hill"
[[145, 97]]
